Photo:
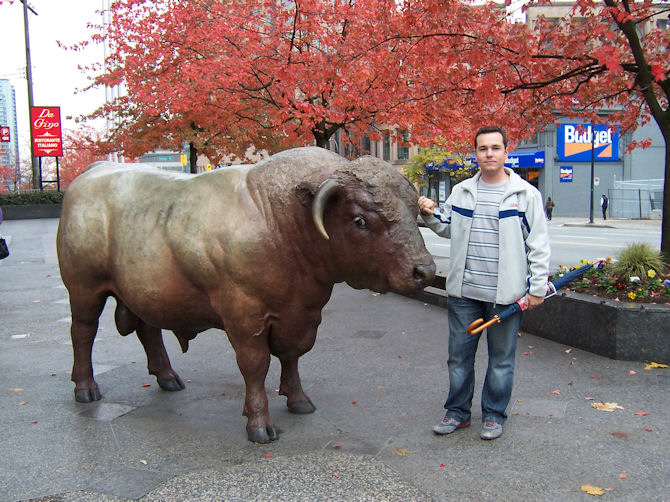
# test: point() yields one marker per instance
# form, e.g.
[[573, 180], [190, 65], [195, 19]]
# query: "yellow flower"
[[651, 273], [632, 295], [609, 258]]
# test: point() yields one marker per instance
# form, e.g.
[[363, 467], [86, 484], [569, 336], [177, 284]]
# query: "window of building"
[[387, 147], [403, 147], [366, 146]]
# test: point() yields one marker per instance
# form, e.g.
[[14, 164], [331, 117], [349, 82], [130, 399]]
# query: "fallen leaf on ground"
[[593, 490], [589, 398], [568, 351], [648, 429], [641, 413], [619, 434], [653, 365], [143, 462], [268, 455], [622, 476], [401, 452], [15, 389], [145, 384], [336, 475], [631, 372], [442, 465], [606, 406], [557, 392], [596, 376], [23, 403]]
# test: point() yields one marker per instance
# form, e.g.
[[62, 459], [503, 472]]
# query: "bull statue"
[[253, 250]]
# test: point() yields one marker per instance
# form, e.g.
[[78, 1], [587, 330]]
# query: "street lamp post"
[[29, 79], [593, 161]]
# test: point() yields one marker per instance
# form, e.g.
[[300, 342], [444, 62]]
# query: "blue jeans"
[[501, 338]]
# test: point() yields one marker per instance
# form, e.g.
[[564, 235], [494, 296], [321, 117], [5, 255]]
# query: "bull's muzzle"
[[425, 274]]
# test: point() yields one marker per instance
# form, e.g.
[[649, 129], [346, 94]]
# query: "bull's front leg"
[[158, 362], [297, 401], [254, 362]]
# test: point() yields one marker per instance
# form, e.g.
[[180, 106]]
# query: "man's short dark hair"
[[490, 129]]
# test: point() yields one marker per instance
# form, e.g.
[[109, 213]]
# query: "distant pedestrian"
[[604, 201], [499, 253], [549, 207]]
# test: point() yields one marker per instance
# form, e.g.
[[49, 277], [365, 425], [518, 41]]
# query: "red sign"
[[4, 134], [46, 130]]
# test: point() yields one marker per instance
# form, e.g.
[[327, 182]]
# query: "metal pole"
[[593, 161], [29, 79], [57, 176]]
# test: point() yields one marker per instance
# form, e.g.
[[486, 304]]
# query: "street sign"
[[46, 131], [4, 134]]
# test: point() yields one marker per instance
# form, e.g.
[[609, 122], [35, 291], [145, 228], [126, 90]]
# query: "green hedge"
[[27, 198]]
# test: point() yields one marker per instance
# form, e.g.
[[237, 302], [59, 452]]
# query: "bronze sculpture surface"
[[252, 250]]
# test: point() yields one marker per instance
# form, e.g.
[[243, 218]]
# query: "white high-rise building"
[[9, 152]]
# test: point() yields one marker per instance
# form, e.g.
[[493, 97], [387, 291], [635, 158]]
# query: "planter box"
[[31, 211], [618, 330]]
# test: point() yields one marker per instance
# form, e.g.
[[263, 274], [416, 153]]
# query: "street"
[[573, 240]]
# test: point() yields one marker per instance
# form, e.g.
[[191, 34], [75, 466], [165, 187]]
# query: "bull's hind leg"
[[297, 401], [86, 308], [158, 361]]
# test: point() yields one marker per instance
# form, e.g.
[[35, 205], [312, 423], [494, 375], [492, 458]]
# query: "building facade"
[[10, 159]]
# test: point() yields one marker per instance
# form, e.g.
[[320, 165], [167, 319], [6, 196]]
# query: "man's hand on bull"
[[426, 205]]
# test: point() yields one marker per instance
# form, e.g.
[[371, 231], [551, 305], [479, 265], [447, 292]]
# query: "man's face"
[[490, 153]]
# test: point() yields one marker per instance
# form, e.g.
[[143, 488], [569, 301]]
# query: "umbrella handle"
[[478, 325]]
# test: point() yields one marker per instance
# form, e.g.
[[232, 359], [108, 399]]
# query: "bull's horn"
[[326, 189]]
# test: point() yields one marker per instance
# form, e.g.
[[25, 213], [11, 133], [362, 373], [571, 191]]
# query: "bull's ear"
[[305, 192]]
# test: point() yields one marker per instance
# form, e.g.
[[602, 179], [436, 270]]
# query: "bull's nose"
[[425, 274]]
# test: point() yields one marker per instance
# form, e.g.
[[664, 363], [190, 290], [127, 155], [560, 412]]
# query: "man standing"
[[499, 252], [604, 202]]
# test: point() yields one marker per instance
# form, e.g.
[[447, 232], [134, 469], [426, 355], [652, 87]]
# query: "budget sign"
[[46, 131], [575, 141]]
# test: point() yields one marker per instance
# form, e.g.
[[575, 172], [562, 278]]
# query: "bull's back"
[[105, 213], [144, 235]]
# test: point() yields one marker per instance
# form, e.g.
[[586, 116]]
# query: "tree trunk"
[[192, 158], [665, 225]]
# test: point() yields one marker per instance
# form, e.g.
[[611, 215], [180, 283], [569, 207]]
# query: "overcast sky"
[[56, 78]]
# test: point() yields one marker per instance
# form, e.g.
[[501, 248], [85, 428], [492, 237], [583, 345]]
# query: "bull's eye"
[[360, 222]]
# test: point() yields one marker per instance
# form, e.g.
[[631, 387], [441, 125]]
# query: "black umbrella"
[[479, 325]]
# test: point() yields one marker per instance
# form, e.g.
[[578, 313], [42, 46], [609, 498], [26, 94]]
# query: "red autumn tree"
[[223, 75], [604, 56], [80, 149]]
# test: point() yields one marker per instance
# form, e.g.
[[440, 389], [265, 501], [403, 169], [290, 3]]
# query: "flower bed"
[[650, 287]]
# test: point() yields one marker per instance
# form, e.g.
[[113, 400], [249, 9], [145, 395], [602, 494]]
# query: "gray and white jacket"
[[524, 252]]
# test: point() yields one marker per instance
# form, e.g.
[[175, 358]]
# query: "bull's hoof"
[[262, 434], [87, 395], [171, 384], [302, 407]]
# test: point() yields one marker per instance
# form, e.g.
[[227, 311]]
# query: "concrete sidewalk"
[[377, 376]]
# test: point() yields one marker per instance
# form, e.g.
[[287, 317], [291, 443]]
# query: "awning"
[[532, 159]]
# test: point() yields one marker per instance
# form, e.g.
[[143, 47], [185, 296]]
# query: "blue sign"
[[530, 160], [525, 160], [575, 141], [566, 174]]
